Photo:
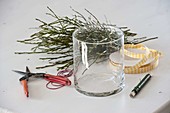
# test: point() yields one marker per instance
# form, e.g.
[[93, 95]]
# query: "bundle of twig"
[[56, 38]]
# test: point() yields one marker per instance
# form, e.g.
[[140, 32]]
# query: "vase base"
[[100, 84], [101, 94]]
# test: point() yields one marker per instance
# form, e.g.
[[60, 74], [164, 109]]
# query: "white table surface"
[[146, 17]]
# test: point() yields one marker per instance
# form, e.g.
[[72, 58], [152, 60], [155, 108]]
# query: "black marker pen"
[[140, 85]]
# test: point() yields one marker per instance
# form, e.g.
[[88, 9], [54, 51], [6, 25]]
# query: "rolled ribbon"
[[141, 66]]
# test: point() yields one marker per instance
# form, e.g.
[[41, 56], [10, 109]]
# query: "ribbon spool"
[[143, 65]]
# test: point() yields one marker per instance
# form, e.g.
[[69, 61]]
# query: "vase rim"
[[118, 30]]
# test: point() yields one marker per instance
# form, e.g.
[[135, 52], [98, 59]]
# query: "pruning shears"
[[60, 80]]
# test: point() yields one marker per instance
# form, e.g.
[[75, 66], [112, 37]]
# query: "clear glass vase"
[[98, 60]]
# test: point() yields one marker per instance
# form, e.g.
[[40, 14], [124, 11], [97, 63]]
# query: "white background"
[[146, 17]]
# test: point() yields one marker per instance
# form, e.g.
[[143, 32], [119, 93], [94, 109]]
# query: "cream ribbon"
[[141, 66]]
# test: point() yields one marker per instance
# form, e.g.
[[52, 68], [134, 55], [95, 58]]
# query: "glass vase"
[[98, 54]]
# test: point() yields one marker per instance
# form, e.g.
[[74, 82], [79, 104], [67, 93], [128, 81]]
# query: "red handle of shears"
[[58, 79], [25, 87]]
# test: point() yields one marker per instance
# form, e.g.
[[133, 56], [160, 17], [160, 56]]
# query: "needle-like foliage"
[[56, 37]]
